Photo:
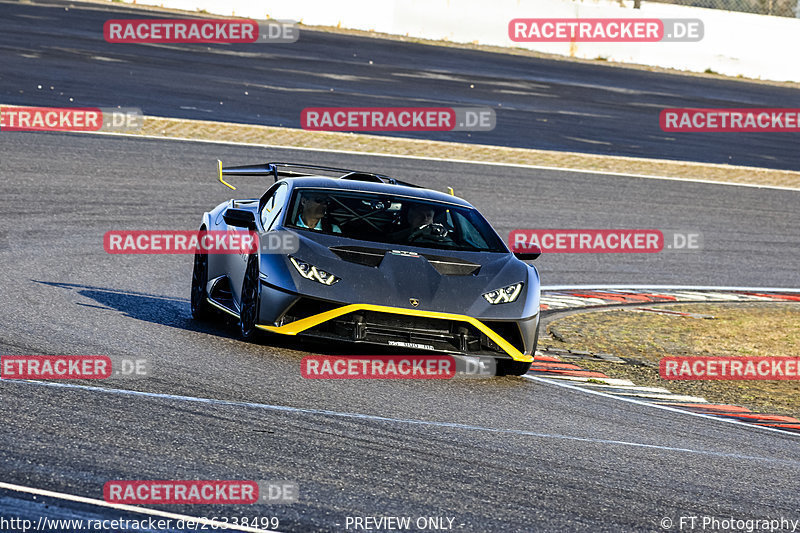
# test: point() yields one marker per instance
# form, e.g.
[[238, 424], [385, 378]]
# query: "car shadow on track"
[[174, 312], [163, 310]]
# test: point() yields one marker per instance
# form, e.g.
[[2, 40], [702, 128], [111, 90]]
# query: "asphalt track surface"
[[539, 103], [505, 454]]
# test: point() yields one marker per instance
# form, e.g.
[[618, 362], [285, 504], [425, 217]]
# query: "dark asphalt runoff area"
[[500, 455], [503, 454], [52, 53]]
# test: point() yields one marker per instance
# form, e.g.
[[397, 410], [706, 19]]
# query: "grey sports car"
[[366, 258]]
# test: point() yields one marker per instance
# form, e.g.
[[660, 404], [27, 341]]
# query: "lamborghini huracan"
[[366, 258]]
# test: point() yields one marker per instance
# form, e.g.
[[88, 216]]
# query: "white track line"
[[655, 405], [471, 162], [428, 423], [130, 508], [653, 288]]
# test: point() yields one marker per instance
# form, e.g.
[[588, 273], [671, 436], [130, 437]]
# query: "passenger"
[[313, 210]]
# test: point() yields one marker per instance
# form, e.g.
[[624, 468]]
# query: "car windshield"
[[392, 219]]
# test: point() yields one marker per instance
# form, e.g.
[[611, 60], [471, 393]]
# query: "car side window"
[[273, 207], [469, 234]]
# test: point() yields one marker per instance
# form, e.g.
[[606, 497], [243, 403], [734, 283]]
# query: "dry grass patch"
[[753, 329]]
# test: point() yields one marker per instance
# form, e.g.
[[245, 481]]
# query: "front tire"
[[248, 314], [201, 309], [510, 367]]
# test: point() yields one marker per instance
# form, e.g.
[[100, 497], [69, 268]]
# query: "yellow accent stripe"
[[219, 172], [301, 325]]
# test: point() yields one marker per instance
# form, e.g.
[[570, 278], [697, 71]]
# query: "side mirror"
[[240, 218], [527, 253]]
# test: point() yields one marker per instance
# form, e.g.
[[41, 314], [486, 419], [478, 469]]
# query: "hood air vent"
[[452, 266], [360, 255], [372, 257]]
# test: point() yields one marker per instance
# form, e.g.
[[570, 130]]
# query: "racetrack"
[[496, 455], [53, 54], [502, 454]]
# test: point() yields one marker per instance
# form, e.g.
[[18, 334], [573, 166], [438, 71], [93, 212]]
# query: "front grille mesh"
[[431, 333]]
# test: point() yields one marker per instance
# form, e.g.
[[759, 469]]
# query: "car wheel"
[[248, 315], [201, 309], [509, 367]]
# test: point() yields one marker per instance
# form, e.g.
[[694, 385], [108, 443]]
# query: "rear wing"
[[295, 170]]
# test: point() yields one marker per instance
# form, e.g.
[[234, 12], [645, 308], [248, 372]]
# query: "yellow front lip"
[[306, 323]]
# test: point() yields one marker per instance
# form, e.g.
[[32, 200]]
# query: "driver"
[[419, 219], [313, 208], [420, 215]]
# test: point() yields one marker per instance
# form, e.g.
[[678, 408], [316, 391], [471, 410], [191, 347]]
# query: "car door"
[[271, 208]]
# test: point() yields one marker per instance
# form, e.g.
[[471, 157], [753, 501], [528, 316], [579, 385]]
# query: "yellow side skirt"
[[301, 325]]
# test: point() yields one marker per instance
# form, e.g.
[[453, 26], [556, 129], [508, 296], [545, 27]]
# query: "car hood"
[[397, 276]]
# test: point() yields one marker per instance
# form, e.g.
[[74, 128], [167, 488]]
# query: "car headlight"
[[311, 272], [504, 295]]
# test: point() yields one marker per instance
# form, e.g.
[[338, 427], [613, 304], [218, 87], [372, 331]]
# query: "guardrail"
[[777, 8], [733, 44]]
